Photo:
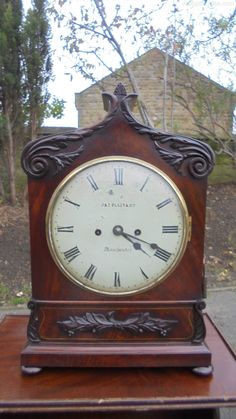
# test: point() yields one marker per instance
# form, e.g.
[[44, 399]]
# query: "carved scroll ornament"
[[33, 325], [177, 150], [199, 325], [49, 155]]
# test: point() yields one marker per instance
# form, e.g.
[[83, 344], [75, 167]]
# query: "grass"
[[4, 293], [222, 173], [224, 170], [21, 297], [16, 301], [7, 296]]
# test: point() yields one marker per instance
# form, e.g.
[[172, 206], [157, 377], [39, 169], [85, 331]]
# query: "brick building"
[[194, 104]]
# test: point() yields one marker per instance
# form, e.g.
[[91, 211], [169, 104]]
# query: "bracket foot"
[[30, 370], [203, 371]]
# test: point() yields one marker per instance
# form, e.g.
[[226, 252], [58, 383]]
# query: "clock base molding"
[[92, 322], [116, 334], [115, 355]]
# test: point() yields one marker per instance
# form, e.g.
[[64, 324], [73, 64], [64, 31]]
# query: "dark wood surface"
[[95, 391]]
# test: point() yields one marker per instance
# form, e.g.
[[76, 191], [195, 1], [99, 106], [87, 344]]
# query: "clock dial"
[[117, 226]]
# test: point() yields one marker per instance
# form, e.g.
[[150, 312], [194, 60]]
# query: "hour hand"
[[137, 246]]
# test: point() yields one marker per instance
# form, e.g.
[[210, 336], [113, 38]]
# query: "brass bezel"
[[183, 206]]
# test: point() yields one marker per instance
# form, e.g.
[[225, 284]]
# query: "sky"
[[67, 81]]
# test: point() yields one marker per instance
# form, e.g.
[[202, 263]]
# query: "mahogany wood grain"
[[118, 139]]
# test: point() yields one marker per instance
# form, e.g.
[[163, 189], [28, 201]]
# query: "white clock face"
[[117, 226]]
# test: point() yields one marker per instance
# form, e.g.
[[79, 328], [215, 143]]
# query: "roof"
[[162, 53]]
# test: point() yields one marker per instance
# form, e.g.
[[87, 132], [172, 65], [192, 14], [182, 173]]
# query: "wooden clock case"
[[73, 327]]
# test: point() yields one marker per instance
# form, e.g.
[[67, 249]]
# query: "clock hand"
[[153, 245], [137, 246], [118, 231]]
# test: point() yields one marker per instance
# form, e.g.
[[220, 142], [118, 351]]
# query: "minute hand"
[[119, 231], [136, 246], [153, 245]]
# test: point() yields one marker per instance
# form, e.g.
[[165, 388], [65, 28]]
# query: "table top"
[[99, 390]]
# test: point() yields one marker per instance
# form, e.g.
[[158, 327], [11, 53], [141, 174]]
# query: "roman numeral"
[[163, 203], [170, 229], [66, 229], [143, 186], [116, 279], [90, 272], [71, 202], [118, 175], [71, 254], [162, 254], [92, 182], [143, 273]]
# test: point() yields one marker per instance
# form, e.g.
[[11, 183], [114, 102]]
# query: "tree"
[[25, 70], [105, 36], [10, 85], [93, 27], [112, 40], [182, 39], [37, 64], [206, 109]]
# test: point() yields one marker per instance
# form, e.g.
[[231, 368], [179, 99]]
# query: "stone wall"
[[198, 104]]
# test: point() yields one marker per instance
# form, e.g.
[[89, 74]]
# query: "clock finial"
[[120, 91], [112, 101]]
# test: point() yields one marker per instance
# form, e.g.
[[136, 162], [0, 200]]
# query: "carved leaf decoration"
[[174, 159], [178, 151], [62, 160], [135, 323]]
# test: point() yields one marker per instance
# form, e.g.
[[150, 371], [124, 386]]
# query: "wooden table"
[[112, 393]]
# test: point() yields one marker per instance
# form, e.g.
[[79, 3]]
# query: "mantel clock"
[[117, 218]]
